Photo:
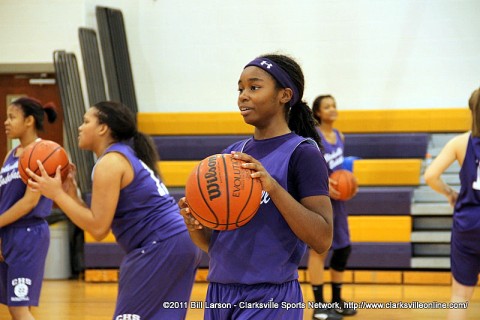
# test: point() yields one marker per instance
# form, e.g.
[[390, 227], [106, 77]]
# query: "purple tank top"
[[333, 154], [466, 217], [145, 210], [266, 250], [12, 189]]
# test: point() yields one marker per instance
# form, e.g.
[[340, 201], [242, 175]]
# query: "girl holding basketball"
[[465, 239], [129, 197], [325, 112], [24, 232], [256, 265]]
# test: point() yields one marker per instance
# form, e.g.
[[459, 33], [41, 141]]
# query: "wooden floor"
[[78, 300]]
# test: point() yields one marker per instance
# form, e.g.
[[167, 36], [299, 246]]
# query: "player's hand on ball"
[[332, 191], [46, 185], [268, 183], [191, 223], [70, 183]]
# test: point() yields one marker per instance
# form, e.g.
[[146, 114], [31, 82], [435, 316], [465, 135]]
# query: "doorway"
[[41, 86]]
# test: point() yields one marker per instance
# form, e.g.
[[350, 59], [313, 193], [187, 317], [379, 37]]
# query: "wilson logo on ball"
[[211, 177]]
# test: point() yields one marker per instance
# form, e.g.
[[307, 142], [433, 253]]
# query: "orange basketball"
[[346, 183], [221, 194], [50, 153]]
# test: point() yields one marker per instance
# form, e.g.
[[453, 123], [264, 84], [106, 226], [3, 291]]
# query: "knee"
[[340, 258]]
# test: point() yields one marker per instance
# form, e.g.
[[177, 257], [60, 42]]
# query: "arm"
[[311, 219], [108, 179], [198, 233], [455, 149], [21, 208]]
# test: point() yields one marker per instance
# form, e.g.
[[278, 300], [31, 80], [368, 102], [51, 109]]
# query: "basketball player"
[[465, 241], [325, 112], [253, 269], [129, 197], [24, 232]]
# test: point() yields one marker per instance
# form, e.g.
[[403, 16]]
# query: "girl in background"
[[325, 112], [24, 232], [465, 242]]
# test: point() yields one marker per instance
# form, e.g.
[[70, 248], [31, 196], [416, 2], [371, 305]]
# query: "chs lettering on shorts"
[[128, 317]]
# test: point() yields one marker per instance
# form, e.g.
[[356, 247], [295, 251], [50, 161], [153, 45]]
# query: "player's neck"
[[326, 127], [100, 149], [28, 139], [271, 132]]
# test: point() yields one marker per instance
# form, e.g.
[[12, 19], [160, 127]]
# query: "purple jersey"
[[145, 210], [333, 154], [266, 250], [467, 212], [12, 189], [465, 244]]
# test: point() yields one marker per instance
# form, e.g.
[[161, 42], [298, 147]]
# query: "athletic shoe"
[[345, 311], [326, 314]]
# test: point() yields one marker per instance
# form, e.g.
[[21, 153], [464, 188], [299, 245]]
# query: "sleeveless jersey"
[[145, 210], [333, 154], [265, 250], [466, 217], [12, 189]]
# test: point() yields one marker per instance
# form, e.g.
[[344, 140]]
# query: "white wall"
[[187, 55], [30, 30]]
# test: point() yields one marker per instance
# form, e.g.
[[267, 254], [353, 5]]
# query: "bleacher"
[[399, 227]]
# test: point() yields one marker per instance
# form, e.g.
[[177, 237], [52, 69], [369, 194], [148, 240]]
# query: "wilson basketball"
[[346, 183], [221, 194], [50, 153]]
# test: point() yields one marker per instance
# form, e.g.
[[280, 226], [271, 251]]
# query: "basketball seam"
[[30, 156], [48, 157], [225, 170]]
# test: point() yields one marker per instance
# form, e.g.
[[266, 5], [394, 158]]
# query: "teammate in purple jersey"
[[324, 110], [24, 232], [253, 270], [129, 197], [465, 240]]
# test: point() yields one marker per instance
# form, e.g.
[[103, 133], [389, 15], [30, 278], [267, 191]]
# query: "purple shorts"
[[260, 301], [341, 233], [156, 280], [465, 258], [21, 274]]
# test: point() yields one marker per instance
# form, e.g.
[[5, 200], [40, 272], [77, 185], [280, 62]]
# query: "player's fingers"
[[41, 168], [32, 174], [72, 169], [33, 185], [244, 157], [58, 172], [182, 203]]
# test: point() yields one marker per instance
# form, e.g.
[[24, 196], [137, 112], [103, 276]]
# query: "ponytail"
[[301, 121], [146, 151], [474, 105], [50, 109]]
